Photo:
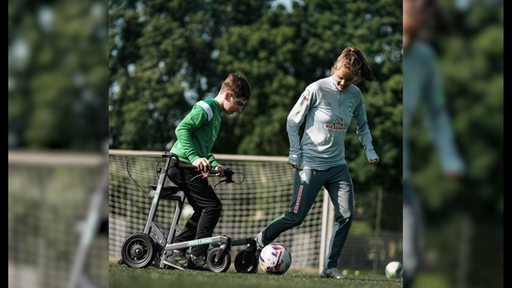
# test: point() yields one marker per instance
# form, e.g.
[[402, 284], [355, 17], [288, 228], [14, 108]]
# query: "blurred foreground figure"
[[422, 88]]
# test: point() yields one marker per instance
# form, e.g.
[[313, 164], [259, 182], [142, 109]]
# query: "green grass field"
[[122, 276]]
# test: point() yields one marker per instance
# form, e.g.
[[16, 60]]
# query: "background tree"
[[164, 56], [161, 63], [467, 213], [57, 76]]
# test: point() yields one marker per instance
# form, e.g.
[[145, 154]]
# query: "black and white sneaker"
[[176, 259], [197, 263]]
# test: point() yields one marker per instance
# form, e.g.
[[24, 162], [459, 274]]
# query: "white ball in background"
[[394, 270], [187, 211]]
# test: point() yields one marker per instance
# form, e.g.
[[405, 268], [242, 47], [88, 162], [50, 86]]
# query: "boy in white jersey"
[[328, 107]]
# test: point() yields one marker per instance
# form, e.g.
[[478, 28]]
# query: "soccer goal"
[[248, 207], [56, 211]]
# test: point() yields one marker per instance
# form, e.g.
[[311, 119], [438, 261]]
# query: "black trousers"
[[207, 207]]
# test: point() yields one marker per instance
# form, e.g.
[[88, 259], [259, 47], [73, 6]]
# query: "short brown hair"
[[238, 84]]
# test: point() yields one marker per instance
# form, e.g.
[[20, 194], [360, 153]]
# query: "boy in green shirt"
[[196, 135]]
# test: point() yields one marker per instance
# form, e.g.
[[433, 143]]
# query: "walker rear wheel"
[[137, 251]]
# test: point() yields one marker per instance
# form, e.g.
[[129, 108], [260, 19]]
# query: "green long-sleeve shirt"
[[197, 132]]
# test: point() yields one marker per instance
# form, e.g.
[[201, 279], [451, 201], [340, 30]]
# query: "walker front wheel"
[[246, 262], [222, 265]]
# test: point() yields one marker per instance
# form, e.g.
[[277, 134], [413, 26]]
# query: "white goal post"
[[247, 207], [55, 214]]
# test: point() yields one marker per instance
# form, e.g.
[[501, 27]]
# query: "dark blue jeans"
[[307, 184]]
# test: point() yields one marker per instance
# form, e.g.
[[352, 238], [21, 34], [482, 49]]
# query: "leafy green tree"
[[166, 56], [57, 77], [286, 50], [468, 212], [160, 63]]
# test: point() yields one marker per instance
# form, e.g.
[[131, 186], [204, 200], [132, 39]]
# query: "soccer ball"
[[393, 270], [275, 258]]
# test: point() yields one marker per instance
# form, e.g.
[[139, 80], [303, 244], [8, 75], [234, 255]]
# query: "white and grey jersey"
[[328, 113]]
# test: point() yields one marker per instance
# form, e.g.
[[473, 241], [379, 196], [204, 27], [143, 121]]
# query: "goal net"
[[247, 207], [55, 214]]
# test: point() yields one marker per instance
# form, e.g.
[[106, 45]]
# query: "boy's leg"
[[203, 197], [207, 209], [181, 177]]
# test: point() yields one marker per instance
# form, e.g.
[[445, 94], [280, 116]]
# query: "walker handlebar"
[[228, 173]]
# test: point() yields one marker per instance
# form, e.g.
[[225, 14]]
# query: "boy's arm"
[[195, 119], [213, 162]]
